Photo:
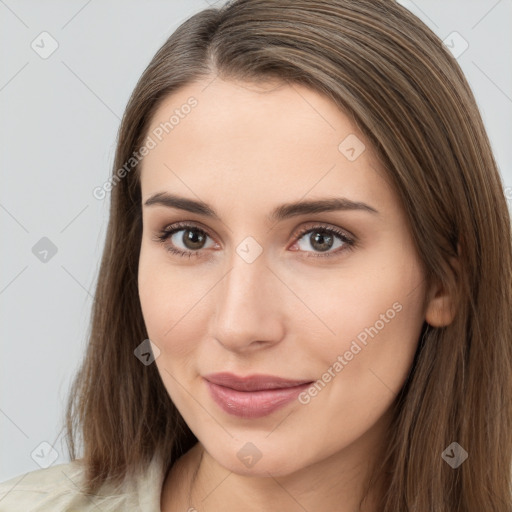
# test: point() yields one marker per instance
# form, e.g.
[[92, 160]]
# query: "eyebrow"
[[280, 213]]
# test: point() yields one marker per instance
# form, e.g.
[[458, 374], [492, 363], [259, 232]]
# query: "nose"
[[248, 315]]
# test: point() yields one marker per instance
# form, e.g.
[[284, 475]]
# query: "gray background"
[[59, 121]]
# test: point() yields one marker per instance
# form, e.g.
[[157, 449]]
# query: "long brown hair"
[[384, 68]]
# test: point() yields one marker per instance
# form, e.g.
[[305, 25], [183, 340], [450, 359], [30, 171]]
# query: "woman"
[[305, 292]]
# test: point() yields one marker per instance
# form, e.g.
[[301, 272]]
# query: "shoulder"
[[59, 488], [40, 488]]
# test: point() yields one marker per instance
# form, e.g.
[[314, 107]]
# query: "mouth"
[[253, 396]]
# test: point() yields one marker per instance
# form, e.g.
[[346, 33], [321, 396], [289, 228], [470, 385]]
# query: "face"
[[244, 292]]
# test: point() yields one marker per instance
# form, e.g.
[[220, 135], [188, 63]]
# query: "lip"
[[253, 396]]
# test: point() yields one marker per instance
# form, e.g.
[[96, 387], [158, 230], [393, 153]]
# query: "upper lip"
[[254, 382]]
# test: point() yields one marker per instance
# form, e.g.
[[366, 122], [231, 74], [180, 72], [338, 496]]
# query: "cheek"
[[379, 297], [167, 304], [377, 320], [167, 299], [177, 304], [176, 334]]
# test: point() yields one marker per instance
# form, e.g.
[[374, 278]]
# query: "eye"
[[192, 238], [189, 240], [322, 239]]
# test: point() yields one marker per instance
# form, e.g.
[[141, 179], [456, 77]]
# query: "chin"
[[260, 458]]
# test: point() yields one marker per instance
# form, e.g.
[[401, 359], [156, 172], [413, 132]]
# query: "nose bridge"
[[245, 308]]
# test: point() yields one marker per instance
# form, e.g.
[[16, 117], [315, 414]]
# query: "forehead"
[[257, 143]]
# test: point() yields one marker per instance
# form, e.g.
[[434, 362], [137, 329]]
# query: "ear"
[[441, 306]]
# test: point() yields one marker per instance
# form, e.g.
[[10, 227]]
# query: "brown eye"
[[184, 239], [193, 239], [189, 240], [321, 239]]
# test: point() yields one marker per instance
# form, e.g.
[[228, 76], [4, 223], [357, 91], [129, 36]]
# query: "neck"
[[327, 485], [197, 482]]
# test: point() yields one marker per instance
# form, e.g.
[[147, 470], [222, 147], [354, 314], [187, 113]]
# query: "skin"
[[245, 149]]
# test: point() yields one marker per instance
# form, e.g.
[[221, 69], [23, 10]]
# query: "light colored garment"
[[57, 489]]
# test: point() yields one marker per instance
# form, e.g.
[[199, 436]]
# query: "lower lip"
[[253, 404]]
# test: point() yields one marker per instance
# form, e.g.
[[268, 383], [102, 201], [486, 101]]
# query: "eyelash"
[[165, 234]]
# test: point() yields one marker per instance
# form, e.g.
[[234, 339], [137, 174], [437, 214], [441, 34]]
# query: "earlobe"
[[441, 307], [440, 310]]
